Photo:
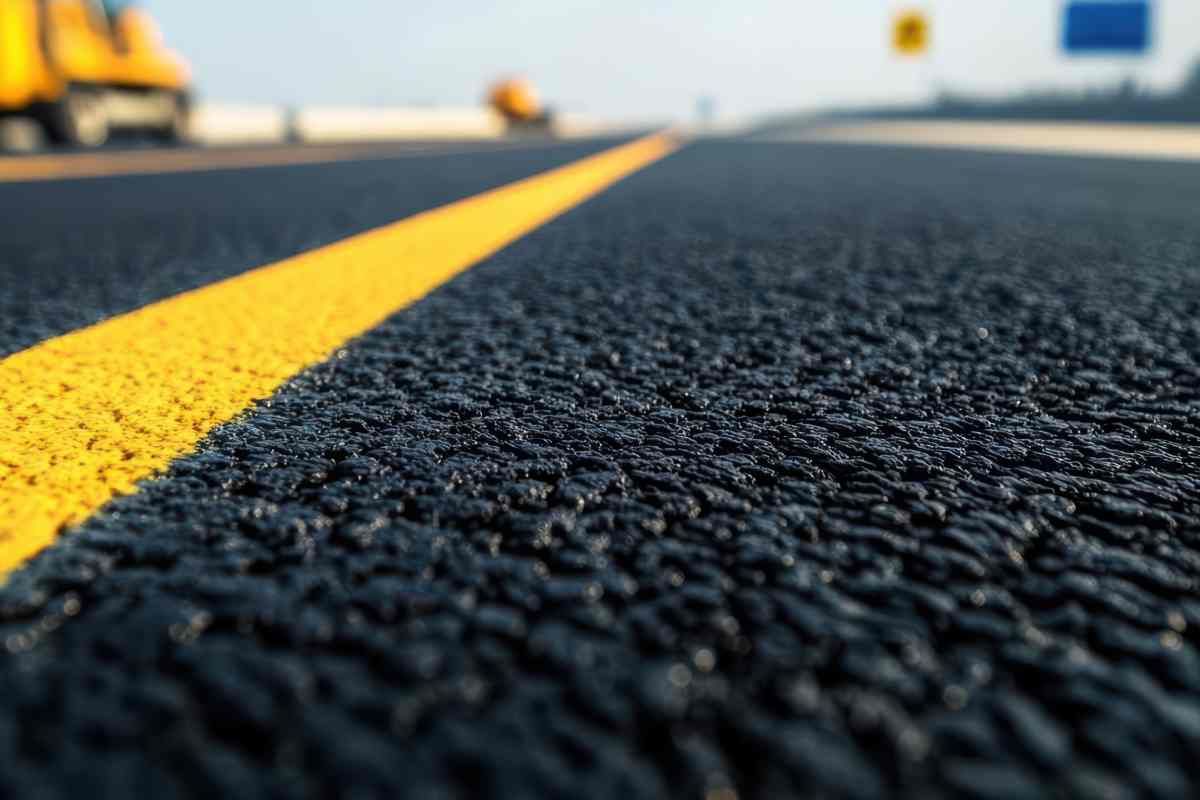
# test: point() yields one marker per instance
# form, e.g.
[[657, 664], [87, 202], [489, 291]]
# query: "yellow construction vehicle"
[[517, 101], [84, 68]]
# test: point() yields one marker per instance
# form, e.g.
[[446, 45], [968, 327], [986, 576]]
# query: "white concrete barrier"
[[719, 128], [377, 124], [221, 123], [1172, 142], [214, 123], [569, 125]]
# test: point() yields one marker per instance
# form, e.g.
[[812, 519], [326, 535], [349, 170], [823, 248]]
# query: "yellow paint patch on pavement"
[[199, 159], [89, 414]]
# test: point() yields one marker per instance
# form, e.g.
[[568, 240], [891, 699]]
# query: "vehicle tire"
[[79, 118], [178, 127]]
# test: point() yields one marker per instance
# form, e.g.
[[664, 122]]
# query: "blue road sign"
[[1107, 27]]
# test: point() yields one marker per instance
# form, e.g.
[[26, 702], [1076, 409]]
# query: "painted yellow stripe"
[[89, 414], [148, 162]]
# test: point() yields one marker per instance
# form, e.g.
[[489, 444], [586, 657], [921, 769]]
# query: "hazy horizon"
[[623, 59]]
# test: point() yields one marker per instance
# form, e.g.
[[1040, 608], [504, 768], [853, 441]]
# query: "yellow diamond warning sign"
[[910, 33]]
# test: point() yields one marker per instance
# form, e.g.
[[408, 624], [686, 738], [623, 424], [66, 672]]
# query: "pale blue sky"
[[640, 58]]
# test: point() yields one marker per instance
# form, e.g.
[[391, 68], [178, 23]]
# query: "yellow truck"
[[517, 101], [84, 68]]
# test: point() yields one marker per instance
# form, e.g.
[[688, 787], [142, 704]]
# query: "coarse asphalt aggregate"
[[776, 470], [78, 251]]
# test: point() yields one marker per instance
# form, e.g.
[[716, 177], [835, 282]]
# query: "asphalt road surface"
[[776, 470]]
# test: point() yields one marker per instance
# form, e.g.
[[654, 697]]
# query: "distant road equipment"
[[517, 101], [83, 68]]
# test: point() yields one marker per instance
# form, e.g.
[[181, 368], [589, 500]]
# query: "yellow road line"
[[89, 414], [149, 162]]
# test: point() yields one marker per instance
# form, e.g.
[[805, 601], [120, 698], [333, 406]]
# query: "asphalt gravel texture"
[[778, 470], [78, 251]]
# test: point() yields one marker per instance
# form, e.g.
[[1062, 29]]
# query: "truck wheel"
[[78, 119], [178, 127]]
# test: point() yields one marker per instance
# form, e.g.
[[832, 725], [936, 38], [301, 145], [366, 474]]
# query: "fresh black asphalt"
[[778, 470], [75, 252]]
